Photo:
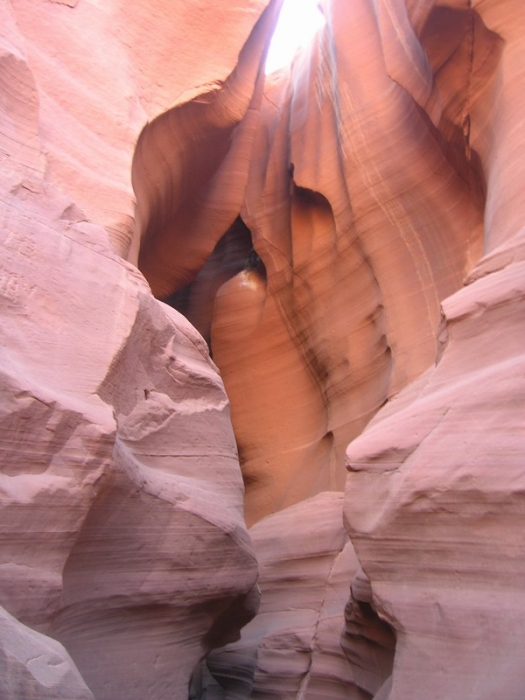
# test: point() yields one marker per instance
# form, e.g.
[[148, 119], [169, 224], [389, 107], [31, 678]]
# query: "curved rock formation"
[[121, 493], [347, 236], [101, 72], [354, 179], [382, 168], [120, 489], [440, 469], [292, 648]]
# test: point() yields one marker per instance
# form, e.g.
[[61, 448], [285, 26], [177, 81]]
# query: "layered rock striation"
[[347, 238], [440, 468], [310, 224], [122, 514], [359, 224], [121, 495], [293, 647]]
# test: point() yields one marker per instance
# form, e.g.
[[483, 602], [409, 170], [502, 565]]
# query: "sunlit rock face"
[[310, 225], [348, 237]]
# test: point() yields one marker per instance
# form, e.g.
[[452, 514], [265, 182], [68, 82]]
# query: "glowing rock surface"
[[347, 237]]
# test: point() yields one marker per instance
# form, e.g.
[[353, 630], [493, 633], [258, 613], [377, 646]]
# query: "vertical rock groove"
[[347, 237], [357, 246]]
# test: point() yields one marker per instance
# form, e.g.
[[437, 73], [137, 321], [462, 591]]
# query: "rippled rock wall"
[[347, 237]]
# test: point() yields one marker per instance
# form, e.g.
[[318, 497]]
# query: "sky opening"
[[298, 22]]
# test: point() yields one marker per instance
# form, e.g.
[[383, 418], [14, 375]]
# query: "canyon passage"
[[263, 374]]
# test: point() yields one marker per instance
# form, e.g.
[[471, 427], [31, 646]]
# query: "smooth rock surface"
[[332, 207], [434, 499], [361, 224], [348, 237], [35, 667], [100, 71], [120, 487], [121, 518], [121, 491], [293, 647], [435, 488]]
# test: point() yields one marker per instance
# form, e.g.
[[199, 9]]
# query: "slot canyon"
[[263, 363]]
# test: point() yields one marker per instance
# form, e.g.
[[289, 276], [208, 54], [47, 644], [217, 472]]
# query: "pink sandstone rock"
[[356, 237], [368, 641], [293, 647], [372, 180], [113, 525], [122, 512], [102, 70], [347, 235], [35, 667], [434, 499], [435, 489]]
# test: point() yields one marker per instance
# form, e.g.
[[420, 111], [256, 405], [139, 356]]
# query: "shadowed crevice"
[[233, 253]]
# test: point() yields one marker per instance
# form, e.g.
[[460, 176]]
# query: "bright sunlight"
[[298, 22]]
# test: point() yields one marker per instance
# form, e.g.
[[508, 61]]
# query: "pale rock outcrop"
[[434, 499], [35, 667], [435, 488], [121, 493], [121, 519]]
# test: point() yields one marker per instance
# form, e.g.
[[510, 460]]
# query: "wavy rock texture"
[[102, 70], [319, 246], [329, 217], [292, 648], [122, 531], [440, 535], [348, 238], [121, 510], [435, 489]]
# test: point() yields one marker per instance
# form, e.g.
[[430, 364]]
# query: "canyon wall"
[[122, 525], [331, 210], [346, 236]]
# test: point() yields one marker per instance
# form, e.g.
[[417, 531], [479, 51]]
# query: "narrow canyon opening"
[[234, 254], [263, 431], [262, 226], [311, 259], [298, 22]]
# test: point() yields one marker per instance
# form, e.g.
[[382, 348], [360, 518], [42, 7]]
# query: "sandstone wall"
[[121, 495], [347, 238], [356, 242]]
